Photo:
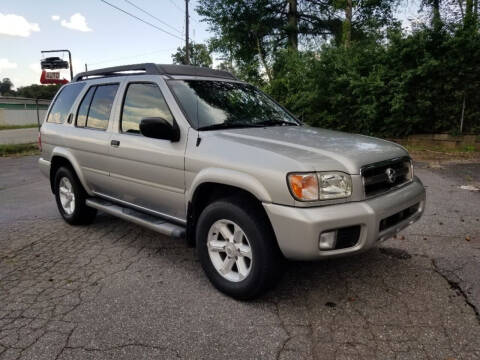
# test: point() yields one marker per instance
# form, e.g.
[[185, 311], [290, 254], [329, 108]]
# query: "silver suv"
[[193, 152]]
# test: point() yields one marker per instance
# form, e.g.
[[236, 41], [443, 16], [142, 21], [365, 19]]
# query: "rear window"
[[94, 111], [63, 103], [84, 107]]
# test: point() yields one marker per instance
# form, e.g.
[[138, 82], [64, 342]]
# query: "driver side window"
[[143, 100]]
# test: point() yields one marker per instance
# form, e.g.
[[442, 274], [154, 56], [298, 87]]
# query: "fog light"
[[327, 240]]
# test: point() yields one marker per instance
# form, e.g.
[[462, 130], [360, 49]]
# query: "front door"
[[147, 172]]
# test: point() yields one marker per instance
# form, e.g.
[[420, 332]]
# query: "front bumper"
[[298, 229]]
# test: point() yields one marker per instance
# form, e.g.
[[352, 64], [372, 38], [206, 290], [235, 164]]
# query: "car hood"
[[317, 149]]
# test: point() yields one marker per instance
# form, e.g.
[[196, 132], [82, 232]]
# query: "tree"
[[35, 91], [6, 86], [199, 55], [252, 31]]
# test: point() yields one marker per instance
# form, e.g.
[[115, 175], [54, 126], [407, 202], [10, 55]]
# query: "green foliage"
[[410, 84], [6, 87], [12, 127], [365, 75], [199, 55], [18, 150], [35, 91], [251, 32]]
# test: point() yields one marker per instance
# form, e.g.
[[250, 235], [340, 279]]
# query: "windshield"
[[219, 104]]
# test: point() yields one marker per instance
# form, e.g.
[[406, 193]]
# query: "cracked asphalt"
[[113, 290]]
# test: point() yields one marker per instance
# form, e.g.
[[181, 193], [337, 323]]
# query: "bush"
[[411, 84]]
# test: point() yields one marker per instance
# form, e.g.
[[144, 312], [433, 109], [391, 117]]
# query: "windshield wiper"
[[247, 125], [276, 122], [226, 126]]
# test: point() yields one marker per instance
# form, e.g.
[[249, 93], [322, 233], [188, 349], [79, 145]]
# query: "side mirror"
[[159, 128]]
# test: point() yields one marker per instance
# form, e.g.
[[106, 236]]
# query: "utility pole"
[[187, 50]]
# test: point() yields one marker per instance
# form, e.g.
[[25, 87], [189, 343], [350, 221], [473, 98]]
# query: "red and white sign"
[[52, 77]]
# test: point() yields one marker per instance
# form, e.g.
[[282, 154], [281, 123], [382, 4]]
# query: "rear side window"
[[84, 107], [94, 111], [63, 103], [143, 100]]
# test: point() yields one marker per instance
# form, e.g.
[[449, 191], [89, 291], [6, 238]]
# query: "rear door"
[[90, 138], [146, 172]]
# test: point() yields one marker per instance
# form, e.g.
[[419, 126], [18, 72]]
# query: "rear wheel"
[[237, 248], [70, 197]]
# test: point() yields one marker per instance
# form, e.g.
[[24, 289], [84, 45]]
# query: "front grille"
[[347, 237], [398, 217], [381, 177]]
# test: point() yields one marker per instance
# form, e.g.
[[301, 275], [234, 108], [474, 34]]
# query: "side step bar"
[[151, 222]]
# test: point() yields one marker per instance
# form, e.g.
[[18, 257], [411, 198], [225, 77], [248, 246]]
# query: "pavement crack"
[[284, 328], [455, 285], [120, 346]]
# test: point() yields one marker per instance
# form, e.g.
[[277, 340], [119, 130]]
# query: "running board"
[[151, 222]]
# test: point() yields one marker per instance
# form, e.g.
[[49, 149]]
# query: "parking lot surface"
[[113, 290]]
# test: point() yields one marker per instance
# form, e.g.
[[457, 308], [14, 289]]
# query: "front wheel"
[[237, 249]]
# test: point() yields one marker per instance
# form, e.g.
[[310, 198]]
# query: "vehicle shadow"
[[335, 277], [379, 275]]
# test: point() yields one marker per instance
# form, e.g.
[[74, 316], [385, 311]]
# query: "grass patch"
[[442, 149], [438, 153], [12, 127], [18, 150]]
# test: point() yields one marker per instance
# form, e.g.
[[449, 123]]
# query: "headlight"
[[334, 185], [321, 186]]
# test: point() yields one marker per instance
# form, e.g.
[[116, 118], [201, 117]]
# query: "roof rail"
[[155, 69], [148, 68]]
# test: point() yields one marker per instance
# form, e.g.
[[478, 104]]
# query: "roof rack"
[[154, 69]]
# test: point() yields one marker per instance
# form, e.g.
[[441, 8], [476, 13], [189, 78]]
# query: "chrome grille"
[[386, 175]]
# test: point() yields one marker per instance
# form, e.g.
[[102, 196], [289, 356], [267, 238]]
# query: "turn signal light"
[[304, 187]]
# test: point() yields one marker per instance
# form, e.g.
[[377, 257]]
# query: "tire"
[[70, 197], [247, 279]]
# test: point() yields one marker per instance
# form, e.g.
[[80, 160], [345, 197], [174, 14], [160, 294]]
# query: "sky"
[[99, 35], [96, 34]]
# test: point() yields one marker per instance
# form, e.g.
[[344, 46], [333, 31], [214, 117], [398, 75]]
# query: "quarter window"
[[143, 101], [94, 111], [63, 103]]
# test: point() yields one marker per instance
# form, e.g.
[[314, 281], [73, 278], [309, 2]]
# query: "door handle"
[[115, 143]]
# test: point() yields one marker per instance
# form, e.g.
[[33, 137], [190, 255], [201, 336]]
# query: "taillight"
[[40, 141]]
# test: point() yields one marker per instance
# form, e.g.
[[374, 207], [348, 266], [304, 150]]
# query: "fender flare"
[[229, 177], [66, 154]]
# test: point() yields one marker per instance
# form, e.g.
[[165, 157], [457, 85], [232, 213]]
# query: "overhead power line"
[[175, 4], [140, 19], [152, 16], [130, 57]]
